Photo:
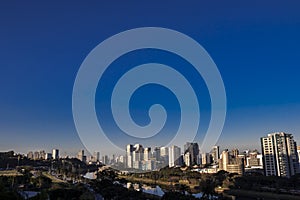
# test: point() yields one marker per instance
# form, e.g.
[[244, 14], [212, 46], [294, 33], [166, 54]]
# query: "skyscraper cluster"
[[42, 155]]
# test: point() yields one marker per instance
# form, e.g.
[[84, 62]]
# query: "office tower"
[[138, 152], [55, 154], [215, 153], [105, 160], [280, 155], [81, 156], [156, 154], [205, 159], [187, 159], [164, 151], [137, 156], [193, 149], [129, 150], [96, 156], [174, 156], [147, 154], [164, 155]]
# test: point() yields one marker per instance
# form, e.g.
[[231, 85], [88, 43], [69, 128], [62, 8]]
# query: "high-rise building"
[[96, 156], [298, 151], [205, 159], [174, 156], [48, 156], [164, 155], [138, 152], [36, 155], [147, 154], [187, 159], [157, 154], [81, 156], [164, 151], [55, 154], [105, 160], [193, 149], [42, 154], [30, 155], [129, 150], [215, 153], [280, 155]]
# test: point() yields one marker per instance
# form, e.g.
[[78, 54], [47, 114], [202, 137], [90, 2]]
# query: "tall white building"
[[55, 153], [129, 150], [147, 154], [174, 156], [280, 155], [298, 151], [187, 159]]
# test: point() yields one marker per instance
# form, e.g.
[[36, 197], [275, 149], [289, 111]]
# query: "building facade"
[[280, 155]]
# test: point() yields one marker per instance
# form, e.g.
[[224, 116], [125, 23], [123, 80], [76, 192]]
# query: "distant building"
[[157, 154], [105, 160], [280, 156], [138, 152], [30, 155], [147, 154], [298, 151], [254, 160], [122, 159], [42, 154], [232, 163], [205, 159], [129, 151], [81, 156], [174, 156], [164, 155], [148, 165], [193, 149], [48, 156], [36, 155], [215, 153], [55, 154], [96, 156], [187, 159]]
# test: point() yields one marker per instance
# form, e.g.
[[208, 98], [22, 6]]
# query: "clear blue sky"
[[254, 44]]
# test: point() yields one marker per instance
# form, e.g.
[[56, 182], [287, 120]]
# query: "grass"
[[53, 178]]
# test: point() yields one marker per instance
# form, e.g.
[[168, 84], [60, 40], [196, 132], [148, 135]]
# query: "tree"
[[207, 186]]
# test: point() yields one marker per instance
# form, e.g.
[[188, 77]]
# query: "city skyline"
[[42, 50], [279, 156]]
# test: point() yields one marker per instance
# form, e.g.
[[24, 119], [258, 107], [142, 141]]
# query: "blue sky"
[[254, 44]]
